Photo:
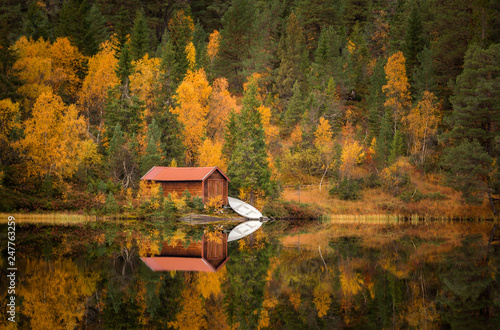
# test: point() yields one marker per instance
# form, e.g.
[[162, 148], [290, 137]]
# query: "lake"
[[287, 275]]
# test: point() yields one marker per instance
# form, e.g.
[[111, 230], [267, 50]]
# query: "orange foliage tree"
[[52, 138], [221, 103], [323, 140], [397, 88], [423, 122], [210, 154], [43, 66], [143, 80], [93, 95], [193, 97]]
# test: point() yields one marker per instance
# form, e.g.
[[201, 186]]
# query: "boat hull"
[[243, 230], [244, 209]]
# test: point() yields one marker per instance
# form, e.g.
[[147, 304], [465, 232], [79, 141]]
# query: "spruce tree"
[[476, 99], [293, 57], [385, 139], [295, 110], [171, 130], [153, 153], [423, 75], [248, 167], [236, 38], [139, 39], [36, 23], [230, 135], [414, 42], [97, 31], [72, 23], [376, 99], [467, 168]]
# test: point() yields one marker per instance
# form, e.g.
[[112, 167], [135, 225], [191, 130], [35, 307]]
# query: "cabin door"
[[215, 188]]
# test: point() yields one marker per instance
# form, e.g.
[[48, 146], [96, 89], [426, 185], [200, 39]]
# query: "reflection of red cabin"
[[204, 256], [204, 182]]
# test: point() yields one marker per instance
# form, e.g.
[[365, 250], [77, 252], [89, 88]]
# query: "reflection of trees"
[[246, 276], [55, 293], [469, 288]]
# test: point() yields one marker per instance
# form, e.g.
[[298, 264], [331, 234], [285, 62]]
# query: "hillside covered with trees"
[[344, 94]]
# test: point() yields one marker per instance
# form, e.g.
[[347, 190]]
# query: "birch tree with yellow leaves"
[[193, 96], [52, 139], [397, 88], [423, 122]]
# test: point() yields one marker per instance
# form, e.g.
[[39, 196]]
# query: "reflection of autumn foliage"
[[192, 315], [322, 300], [55, 293]]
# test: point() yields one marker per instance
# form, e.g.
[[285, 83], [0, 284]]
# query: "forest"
[[346, 95]]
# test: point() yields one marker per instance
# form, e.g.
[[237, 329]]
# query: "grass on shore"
[[378, 204]]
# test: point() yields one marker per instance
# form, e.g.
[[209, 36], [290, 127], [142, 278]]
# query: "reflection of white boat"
[[244, 209], [244, 229]]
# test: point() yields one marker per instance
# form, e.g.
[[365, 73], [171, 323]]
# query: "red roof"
[[159, 173], [178, 263]]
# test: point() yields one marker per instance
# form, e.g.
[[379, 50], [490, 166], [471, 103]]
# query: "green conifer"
[[139, 39], [248, 167]]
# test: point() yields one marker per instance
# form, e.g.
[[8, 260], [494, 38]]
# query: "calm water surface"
[[282, 277]]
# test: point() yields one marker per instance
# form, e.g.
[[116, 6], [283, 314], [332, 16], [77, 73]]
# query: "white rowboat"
[[244, 209], [244, 229]]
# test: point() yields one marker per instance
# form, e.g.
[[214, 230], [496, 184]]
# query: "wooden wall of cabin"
[[216, 184], [194, 187]]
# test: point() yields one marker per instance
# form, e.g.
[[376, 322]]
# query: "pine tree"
[[73, 24], [36, 22], [152, 155], [385, 139], [294, 59], [476, 99], [414, 42], [230, 135], [376, 99], [97, 31], [139, 39], [468, 167], [295, 110], [326, 58], [423, 75], [236, 38], [248, 167]]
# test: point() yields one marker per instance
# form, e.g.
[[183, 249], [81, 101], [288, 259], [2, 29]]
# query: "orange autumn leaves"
[[203, 110]]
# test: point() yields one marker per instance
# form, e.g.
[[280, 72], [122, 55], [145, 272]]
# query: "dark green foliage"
[[139, 38], [262, 52], [124, 69], [346, 189], [295, 110], [230, 135], [171, 129], [476, 99], [96, 33], [11, 21], [152, 154], [385, 139], [248, 167], [397, 147], [293, 56], [423, 75], [414, 42], [315, 15], [236, 38], [36, 22], [467, 167], [73, 23], [376, 98]]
